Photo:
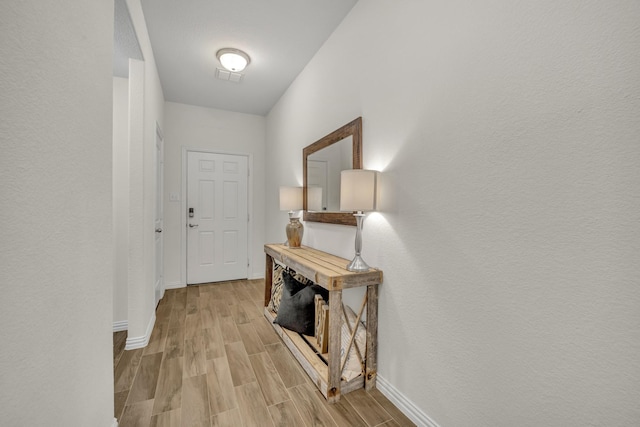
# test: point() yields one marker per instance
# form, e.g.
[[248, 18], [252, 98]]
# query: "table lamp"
[[291, 200], [358, 193]]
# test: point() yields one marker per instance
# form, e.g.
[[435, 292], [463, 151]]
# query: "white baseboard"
[[115, 423], [140, 342], [121, 325], [407, 407], [173, 285], [178, 285], [159, 294]]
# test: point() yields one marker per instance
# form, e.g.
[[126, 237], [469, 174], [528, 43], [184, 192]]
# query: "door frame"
[[183, 204], [159, 193], [325, 186]]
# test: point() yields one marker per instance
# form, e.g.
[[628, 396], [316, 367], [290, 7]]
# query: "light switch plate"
[[174, 197]]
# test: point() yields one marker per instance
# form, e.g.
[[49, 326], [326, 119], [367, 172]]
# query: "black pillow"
[[297, 308]]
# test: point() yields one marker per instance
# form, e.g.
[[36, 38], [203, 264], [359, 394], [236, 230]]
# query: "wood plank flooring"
[[213, 360]]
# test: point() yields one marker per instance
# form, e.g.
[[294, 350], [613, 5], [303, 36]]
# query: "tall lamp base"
[[357, 264]]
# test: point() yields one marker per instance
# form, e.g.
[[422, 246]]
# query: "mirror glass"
[[322, 163], [323, 175]]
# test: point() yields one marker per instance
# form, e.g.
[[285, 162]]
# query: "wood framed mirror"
[[322, 163]]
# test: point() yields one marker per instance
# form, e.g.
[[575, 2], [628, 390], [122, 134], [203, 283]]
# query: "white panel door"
[[159, 248], [217, 217], [317, 177]]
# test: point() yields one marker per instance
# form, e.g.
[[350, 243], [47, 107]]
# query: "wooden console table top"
[[328, 271]]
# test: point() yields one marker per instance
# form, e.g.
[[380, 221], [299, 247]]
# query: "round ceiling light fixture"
[[233, 59]]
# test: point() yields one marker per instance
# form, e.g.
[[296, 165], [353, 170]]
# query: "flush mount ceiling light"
[[233, 59]]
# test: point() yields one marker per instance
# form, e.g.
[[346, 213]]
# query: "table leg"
[[371, 368], [335, 333]]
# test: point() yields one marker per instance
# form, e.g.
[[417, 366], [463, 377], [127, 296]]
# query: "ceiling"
[[125, 42], [280, 36]]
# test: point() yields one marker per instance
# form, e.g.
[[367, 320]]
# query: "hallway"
[[213, 360]]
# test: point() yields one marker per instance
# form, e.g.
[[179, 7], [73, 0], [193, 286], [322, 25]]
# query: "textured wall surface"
[[56, 363], [142, 175], [140, 307], [509, 237], [210, 129], [120, 197]]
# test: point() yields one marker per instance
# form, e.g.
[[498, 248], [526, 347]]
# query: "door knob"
[[158, 230], [193, 225]]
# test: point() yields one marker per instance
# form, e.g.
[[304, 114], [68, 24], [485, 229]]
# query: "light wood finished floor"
[[213, 360]]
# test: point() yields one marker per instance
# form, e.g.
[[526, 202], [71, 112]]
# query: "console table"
[[330, 272]]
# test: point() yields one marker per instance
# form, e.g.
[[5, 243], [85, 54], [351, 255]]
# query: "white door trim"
[[159, 282], [183, 205]]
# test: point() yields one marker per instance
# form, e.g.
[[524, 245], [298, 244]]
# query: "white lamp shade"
[[314, 199], [290, 198], [357, 190]]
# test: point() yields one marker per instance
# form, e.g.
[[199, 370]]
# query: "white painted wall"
[[209, 129], [142, 175], [56, 259], [120, 198], [509, 240], [140, 312]]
